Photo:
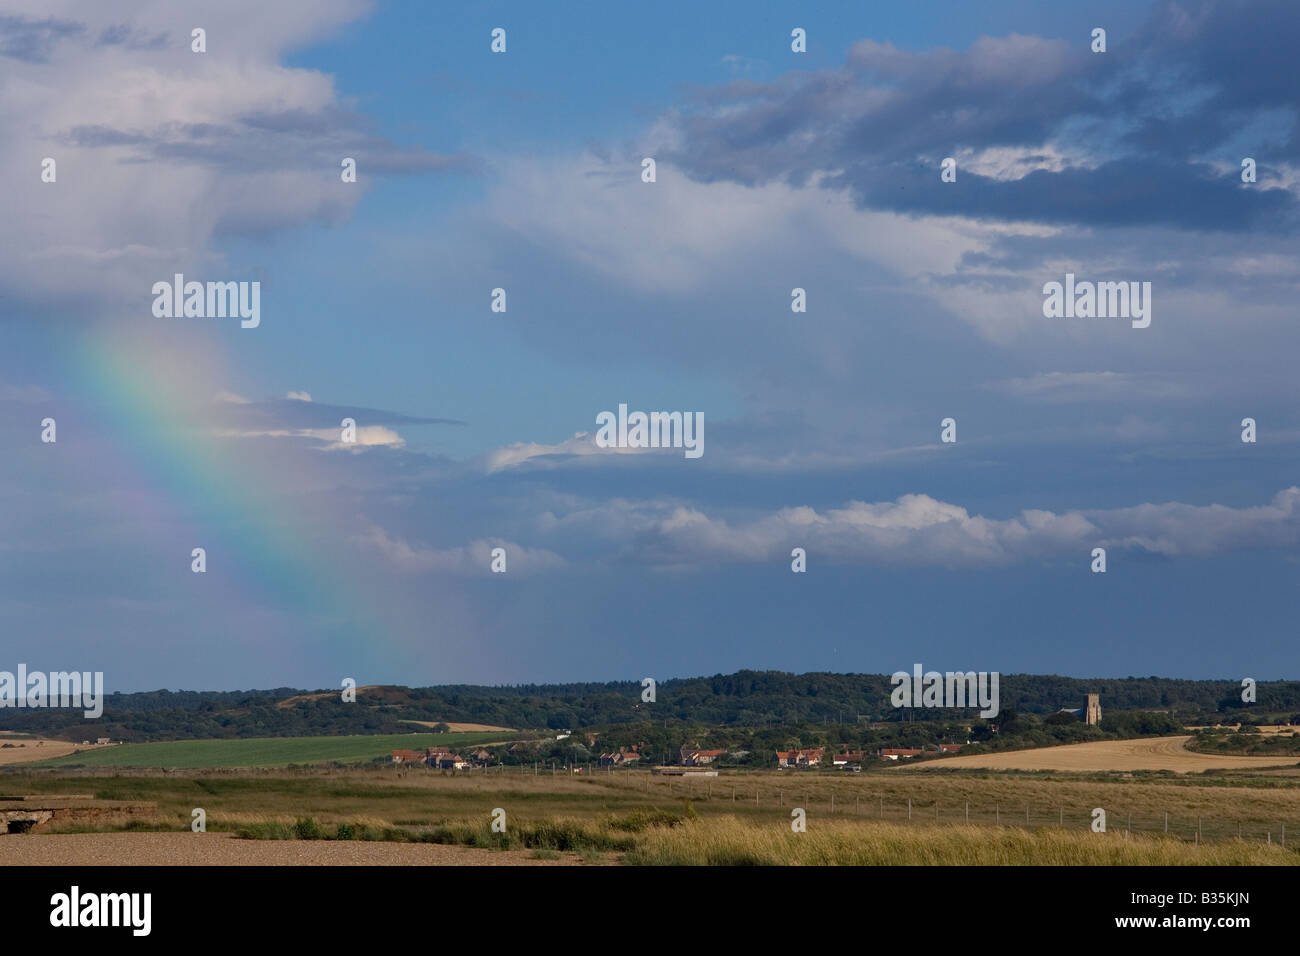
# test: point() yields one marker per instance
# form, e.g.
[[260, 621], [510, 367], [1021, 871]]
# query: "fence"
[[841, 799]]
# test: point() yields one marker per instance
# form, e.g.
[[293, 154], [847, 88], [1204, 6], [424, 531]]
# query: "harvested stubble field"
[[25, 750], [265, 751], [577, 812], [1152, 753]]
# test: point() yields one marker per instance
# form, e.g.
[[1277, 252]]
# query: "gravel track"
[[224, 849]]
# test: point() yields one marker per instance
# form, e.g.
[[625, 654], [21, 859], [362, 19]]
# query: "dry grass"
[[1221, 805], [730, 841]]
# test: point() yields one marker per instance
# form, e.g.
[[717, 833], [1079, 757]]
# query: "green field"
[[265, 751]]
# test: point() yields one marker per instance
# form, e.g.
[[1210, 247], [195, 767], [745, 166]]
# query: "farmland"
[[931, 814], [26, 750], [1157, 753], [264, 751]]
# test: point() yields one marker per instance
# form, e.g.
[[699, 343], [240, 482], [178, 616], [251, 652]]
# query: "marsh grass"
[[729, 841]]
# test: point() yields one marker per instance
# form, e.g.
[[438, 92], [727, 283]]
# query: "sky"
[[477, 429]]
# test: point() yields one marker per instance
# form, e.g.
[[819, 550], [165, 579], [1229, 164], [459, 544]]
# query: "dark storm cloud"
[[1141, 124], [32, 41], [291, 413]]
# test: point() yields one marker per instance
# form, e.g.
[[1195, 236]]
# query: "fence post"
[[1166, 821], [909, 808], [997, 815], [968, 811], [1062, 819], [832, 803]]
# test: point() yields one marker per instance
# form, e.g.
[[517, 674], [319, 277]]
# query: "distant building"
[[620, 757], [1092, 711], [694, 757], [845, 759], [899, 753], [409, 756], [791, 759], [949, 748]]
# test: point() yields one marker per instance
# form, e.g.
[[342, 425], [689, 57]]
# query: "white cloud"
[[581, 444], [160, 150], [474, 558], [918, 530], [367, 436]]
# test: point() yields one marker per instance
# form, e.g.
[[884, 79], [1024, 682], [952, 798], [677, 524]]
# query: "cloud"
[[34, 40], [473, 559], [161, 151], [1047, 131], [297, 416], [582, 444], [299, 411], [1090, 387], [917, 530]]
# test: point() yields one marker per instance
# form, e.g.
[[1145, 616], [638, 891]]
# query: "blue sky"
[[522, 170]]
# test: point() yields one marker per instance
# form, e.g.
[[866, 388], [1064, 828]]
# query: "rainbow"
[[154, 398]]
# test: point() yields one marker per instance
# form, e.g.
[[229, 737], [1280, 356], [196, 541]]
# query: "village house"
[[787, 759], [440, 758], [847, 759], [694, 757], [616, 759], [899, 753]]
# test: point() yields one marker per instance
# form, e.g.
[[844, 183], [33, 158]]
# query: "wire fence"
[[843, 800]]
